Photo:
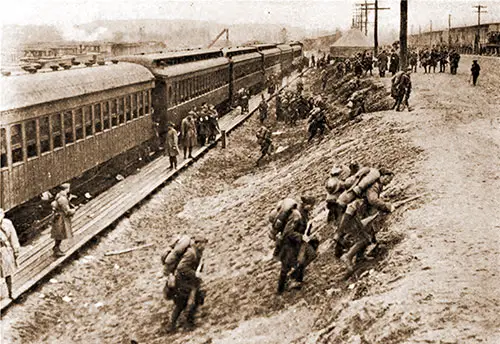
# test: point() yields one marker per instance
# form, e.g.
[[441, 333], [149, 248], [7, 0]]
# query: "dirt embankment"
[[407, 293]]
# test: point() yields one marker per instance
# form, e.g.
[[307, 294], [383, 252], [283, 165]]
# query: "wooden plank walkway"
[[37, 261]]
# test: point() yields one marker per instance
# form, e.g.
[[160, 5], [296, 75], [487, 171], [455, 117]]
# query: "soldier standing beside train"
[[9, 250], [61, 221]]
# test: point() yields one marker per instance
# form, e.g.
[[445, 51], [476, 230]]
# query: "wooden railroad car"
[[56, 125], [271, 59], [246, 69], [185, 79], [286, 58]]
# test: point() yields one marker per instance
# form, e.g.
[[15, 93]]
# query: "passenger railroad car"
[[56, 125]]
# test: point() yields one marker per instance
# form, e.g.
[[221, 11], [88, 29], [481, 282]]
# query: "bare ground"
[[435, 279]]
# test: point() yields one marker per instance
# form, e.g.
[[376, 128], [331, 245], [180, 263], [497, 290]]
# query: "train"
[[56, 125]]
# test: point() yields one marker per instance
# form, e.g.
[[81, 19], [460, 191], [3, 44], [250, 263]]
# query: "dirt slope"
[[434, 280]]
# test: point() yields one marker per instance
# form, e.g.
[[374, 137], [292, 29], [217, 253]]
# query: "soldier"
[[213, 124], [475, 69], [335, 186], [443, 56], [413, 61], [263, 107], [367, 63], [313, 61], [382, 63], [61, 220], [454, 60], [9, 251], [324, 79], [182, 264], [368, 203], [394, 63], [279, 108], [202, 130], [401, 89], [172, 148], [348, 65], [358, 67], [290, 232], [356, 104], [189, 135], [271, 84], [244, 99], [317, 123], [265, 142], [300, 86]]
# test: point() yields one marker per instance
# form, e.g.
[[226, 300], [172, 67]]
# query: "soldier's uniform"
[[189, 134], [317, 123], [382, 60], [475, 72], [181, 261], [172, 147], [401, 90], [9, 250], [61, 220], [290, 220], [265, 142], [263, 107]]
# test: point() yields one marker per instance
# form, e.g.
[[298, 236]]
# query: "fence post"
[[223, 137]]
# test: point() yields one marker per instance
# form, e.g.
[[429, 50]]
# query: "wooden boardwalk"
[[37, 261]]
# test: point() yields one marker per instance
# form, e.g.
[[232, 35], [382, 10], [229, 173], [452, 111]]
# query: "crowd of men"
[[199, 127]]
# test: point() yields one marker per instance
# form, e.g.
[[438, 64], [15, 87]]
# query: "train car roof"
[[284, 47], [154, 60], [191, 67], [268, 46], [296, 43], [244, 57], [230, 52], [19, 91], [270, 51]]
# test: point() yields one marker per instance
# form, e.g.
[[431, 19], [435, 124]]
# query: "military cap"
[[200, 239], [385, 171], [66, 185], [474, 60]]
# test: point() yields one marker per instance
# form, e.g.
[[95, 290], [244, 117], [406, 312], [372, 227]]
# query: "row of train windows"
[[57, 130], [247, 68], [272, 60], [186, 89]]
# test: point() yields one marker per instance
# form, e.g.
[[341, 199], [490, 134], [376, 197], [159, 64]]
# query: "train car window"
[[141, 102], [146, 102], [97, 118], [31, 139], [68, 127], [3, 148], [106, 124], [121, 111], [114, 113], [170, 95], [16, 141], [79, 124], [56, 131], [134, 110], [44, 135], [87, 114], [128, 110]]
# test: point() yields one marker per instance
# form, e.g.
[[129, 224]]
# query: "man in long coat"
[[382, 61], [61, 221], [9, 250], [172, 145], [189, 135]]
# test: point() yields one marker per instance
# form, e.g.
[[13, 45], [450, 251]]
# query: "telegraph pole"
[[430, 35], [363, 10], [449, 32], [478, 34], [403, 35], [366, 18]]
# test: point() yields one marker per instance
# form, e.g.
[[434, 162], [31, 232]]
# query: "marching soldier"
[[182, 263], [394, 63], [475, 69], [369, 201], [401, 89], [61, 221], [263, 107], [265, 142], [317, 123], [290, 231], [9, 250], [382, 60]]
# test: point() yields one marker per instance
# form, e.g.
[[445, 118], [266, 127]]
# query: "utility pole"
[[430, 35], [449, 32], [403, 33], [477, 43], [366, 18], [363, 10]]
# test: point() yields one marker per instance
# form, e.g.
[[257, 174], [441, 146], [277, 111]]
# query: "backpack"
[[173, 254]]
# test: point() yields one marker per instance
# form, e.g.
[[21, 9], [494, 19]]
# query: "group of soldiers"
[[430, 58], [197, 128], [353, 201]]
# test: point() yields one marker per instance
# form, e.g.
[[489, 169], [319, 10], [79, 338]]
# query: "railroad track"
[[37, 262]]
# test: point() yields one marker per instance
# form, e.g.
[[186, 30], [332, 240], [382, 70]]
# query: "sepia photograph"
[[250, 172]]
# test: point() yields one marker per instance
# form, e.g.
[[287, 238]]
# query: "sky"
[[310, 14]]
